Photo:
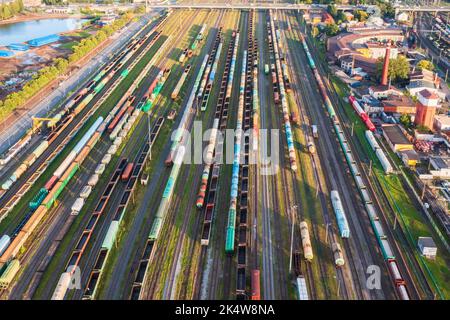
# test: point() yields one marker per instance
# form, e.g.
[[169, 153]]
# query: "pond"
[[27, 30]]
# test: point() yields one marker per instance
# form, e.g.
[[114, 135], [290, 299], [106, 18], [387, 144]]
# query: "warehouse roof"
[[427, 94], [443, 119], [440, 163], [395, 134], [6, 53], [398, 101], [427, 242], [411, 154]]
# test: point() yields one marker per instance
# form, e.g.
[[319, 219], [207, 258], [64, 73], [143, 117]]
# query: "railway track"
[[13, 196], [154, 278], [365, 190], [167, 287], [160, 112], [355, 253], [132, 144], [211, 197], [149, 248], [196, 174], [55, 232]]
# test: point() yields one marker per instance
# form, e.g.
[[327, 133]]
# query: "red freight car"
[[256, 294], [127, 172]]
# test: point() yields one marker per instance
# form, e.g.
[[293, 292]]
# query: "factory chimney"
[[384, 74]]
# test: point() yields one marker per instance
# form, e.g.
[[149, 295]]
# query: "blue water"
[[27, 30]]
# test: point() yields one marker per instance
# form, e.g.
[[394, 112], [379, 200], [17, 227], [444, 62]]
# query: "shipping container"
[[256, 292], [34, 220], [62, 286], [5, 240], [77, 206], [9, 274], [127, 172], [93, 180], [100, 169], [306, 241]]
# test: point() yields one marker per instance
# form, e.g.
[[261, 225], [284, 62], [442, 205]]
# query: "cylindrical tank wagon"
[[306, 241]]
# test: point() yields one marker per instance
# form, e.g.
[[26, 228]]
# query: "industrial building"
[[409, 157], [427, 247], [6, 54], [44, 40], [426, 108], [440, 167], [399, 105], [441, 123], [396, 138], [18, 46], [363, 46]]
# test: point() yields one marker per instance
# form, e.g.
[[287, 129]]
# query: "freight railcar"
[[341, 218]]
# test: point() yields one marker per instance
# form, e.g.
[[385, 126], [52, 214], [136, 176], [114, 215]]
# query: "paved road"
[[18, 128]]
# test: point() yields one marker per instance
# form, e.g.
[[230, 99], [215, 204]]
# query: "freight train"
[[231, 224], [77, 104], [278, 77], [180, 83], [47, 195], [187, 114], [212, 172], [361, 113], [154, 89], [175, 158], [211, 77], [383, 242], [379, 152], [306, 241]]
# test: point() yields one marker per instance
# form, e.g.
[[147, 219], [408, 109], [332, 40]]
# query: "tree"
[[425, 64], [332, 30], [361, 15], [405, 120], [315, 31], [341, 17], [398, 68], [332, 10], [386, 8]]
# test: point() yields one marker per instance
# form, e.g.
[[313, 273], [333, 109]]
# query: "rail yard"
[[210, 158]]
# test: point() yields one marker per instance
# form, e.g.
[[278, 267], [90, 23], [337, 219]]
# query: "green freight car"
[[38, 198]]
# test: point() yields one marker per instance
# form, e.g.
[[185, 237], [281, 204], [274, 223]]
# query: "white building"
[[441, 122], [440, 167], [427, 247], [403, 17]]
